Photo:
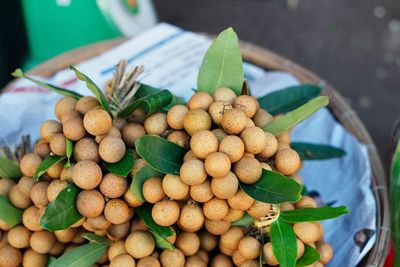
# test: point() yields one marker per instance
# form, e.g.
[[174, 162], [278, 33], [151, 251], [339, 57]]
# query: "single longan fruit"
[[33, 259], [86, 149], [218, 227], [174, 188], [116, 248], [202, 192], [233, 147], [188, 243], [19, 236], [86, 103], [221, 260], [18, 199], [191, 218], [172, 258], [196, 120], [192, 172], [57, 249], [137, 225], [139, 163], [66, 174], [149, 261], [114, 132], [219, 133], [6, 185], [166, 212], [42, 241], [112, 149], [65, 105], [49, 128], [325, 251], [308, 232], [152, 190], [230, 239], [10, 257], [240, 201], [305, 202], [248, 104], [262, 118], [284, 137], [200, 100], [254, 139], [286, 206], [176, 115], [118, 231], [181, 138], [140, 244], [122, 260], [25, 185], [55, 170], [217, 164], [73, 129], [67, 235], [208, 241], [225, 187], [250, 123], [237, 258], [31, 218], [215, 209], [203, 143], [268, 255], [249, 247], [287, 161], [233, 215], [248, 170], [224, 94], [90, 203], [29, 163], [156, 124], [131, 132], [70, 115], [271, 146], [42, 148], [132, 199], [259, 209], [39, 194], [97, 121], [217, 109], [117, 211], [98, 223], [189, 155], [86, 174], [265, 166], [113, 186], [195, 261], [55, 188], [119, 123], [234, 121]]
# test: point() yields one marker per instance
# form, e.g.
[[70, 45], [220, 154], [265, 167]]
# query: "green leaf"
[[18, 73], [145, 90], [51, 261], [296, 116], [310, 256], [122, 167], [313, 214], [8, 213], [69, 149], [160, 154], [140, 177], [395, 202], [9, 169], [92, 87], [82, 256], [46, 164], [245, 221], [309, 151], [144, 212], [150, 104], [62, 212], [95, 238], [284, 243], [288, 99], [162, 242], [273, 188], [222, 65]]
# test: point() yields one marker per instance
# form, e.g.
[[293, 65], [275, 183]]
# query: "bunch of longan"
[[226, 146]]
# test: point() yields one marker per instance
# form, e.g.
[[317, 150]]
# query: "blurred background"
[[354, 45]]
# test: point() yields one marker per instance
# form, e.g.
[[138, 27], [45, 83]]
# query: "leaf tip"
[[18, 73]]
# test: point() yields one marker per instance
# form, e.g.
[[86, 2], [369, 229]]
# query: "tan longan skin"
[[131, 132], [217, 227], [18, 199], [7, 184], [181, 138], [97, 121], [152, 190], [225, 187], [174, 188], [202, 192], [118, 231], [67, 235], [119, 122], [166, 212], [249, 247], [284, 137], [25, 185], [57, 249], [86, 149], [33, 259], [64, 105], [114, 132], [131, 199], [217, 164], [42, 148], [195, 261], [139, 244], [196, 120], [122, 260], [42, 241], [230, 239], [233, 215], [233, 147], [90, 203], [262, 118], [203, 143], [254, 139], [192, 172], [308, 232], [156, 124], [287, 161], [224, 94], [117, 211], [86, 103], [200, 100], [224, 250], [29, 163], [10, 257], [221, 260], [248, 104], [137, 225], [248, 170], [86, 174], [188, 243], [234, 121], [325, 251], [189, 156], [172, 258], [176, 115], [149, 261], [240, 201], [286, 206], [259, 209], [98, 223], [70, 115], [55, 170], [268, 255], [217, 109], [113, 186], [305, 202], [116, 248], [297, 178], [31, 218], [220, 134], [66, 174], [249, 123], [73, 129], [19, 236], [39, 194], [237, 258], [139, 163], [191, 218], [208, 241], [49, 128], [271, 146], [112, 149]]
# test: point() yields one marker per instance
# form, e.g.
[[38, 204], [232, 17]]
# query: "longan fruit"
[[248, 104], [176, 115], [86, 149], [140, 244], [202, 192], [224, 250], [148, 261], [33, 259], [57, 249], [97, 121], [240, 201], [297, 178], [116, 248], [225, 187], [86, 174], [189, 155], [31, 218], [65, 105], [90, 203], [195, 261], [49, 128], [217, 164], [248, 170], [283, 145], [156, 124], [42, 148], [254, 139], [269, 256], [230, 239], [300, 249], [19, 236], [74, 129], [18, 199], [188, 243], [29, 163], [265, 166], [287, 161], [305, 202], [234, 121], [325, 251], [249, 247], [152, 190], [250, 263], [318, 264], [233, 147], [249, 123], [25, 185], [237, 258], [118, 231], [131, 132], [221, 260], [10, 257], [54, 188], [112, 149], [174, 188], [166, 212], [219, 133], [217, 227], [224, 94], [139, 163], [181, 138], [138, 224], [217, 109], [203, 143], [262, 118], [39, 194], [98, 223], [233, 215], [284, 137], [196, 120], [117, 211], [259, 209], [192, 172], [66, 235], [70, 115], [86, 103], [6, 185], [286, 206], [113, 186], [114, 132], [103, 258], [119, 123], [208, 241], [122, 260], [42, 241], [172, 258], [200, 100], [132, 199], [191, 218], [308, 232], [55, 170]]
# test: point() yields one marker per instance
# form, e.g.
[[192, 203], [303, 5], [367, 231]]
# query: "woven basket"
[[339, 108]]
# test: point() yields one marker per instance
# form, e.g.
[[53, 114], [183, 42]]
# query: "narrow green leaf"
[[222, 65], [162, 242], [18, 73], [310, 256], [145, 90], [144, 212], [296, 116], [395, 201], [140, 177], [288, 99], [62, 212], [124, 166], [46, 164], [8, 213], [313, 214], [284, 243], [51, 261], [9, 169], [95, 238], [245, 221], [273, 188], [82, 256], [160, 154], [309, 151], [92, 87], [69, 149]]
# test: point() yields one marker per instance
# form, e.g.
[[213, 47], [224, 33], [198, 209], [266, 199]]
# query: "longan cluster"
[[226, 146]]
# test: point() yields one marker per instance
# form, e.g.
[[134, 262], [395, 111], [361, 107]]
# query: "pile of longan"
[[226, 146]]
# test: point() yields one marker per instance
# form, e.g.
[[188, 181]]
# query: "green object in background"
[[395, 199]]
